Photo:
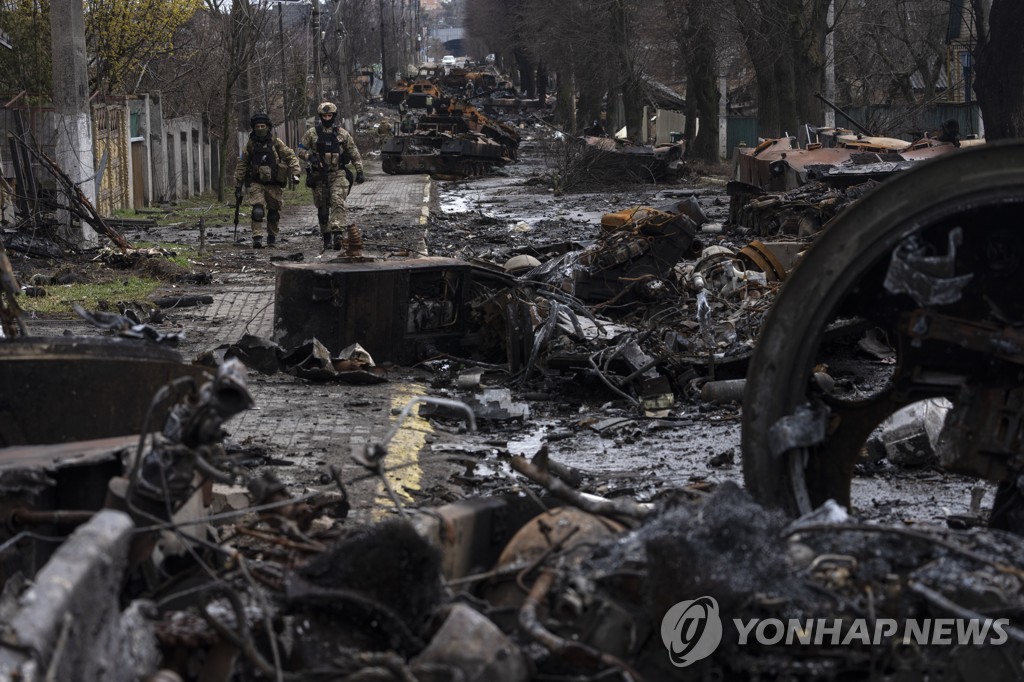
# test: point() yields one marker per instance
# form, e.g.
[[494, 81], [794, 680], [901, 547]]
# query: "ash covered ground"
[[610, 586]]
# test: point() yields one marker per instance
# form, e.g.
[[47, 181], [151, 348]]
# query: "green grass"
[[59, 297], [206, 206]]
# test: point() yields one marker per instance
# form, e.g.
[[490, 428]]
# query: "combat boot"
[[271, 239], [328, 240], [337, 241], [257, 242]]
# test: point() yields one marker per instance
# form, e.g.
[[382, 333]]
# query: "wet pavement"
[[305, 428]]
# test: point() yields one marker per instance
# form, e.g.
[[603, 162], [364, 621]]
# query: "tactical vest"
[[263, 161], [328, 146]]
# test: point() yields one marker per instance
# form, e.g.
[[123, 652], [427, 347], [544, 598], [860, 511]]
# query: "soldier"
[[266, 165], [328, 149]]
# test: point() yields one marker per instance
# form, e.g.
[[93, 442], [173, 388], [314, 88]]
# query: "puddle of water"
[[529, 444], [464, 202]]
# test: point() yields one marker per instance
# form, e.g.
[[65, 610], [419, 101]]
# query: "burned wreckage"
[[548, 581], [454, 136]]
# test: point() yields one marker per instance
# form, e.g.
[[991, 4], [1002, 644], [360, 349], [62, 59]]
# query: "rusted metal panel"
[[399, 310], [63, 389]]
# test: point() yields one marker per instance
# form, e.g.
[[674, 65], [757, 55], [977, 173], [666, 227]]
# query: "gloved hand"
[[238, 192], [360, 178]]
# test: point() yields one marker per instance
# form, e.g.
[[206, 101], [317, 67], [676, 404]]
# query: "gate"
[[740, 129], [113, 158]]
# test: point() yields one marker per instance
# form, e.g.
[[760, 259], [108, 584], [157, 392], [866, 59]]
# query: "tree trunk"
[[999, 63], [227, 144], [808, 31], [542, 81], [790, 69], [785, 92], [527, 81], [701, 85], [565, 102], [628, 86]]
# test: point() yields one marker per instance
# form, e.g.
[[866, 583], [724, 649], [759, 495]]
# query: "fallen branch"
[[91, 215]]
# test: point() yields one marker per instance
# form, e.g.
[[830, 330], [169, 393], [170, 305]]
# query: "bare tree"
[[694, 30], [893, 53], [785, 40], [240, 26]]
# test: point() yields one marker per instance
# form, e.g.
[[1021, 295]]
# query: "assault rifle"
[[238, 205], [317, 166]]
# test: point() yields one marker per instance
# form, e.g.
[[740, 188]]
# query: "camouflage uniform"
[[329, 144], [265, 166]]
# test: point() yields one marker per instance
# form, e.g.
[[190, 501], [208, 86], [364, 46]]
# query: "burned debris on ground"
[[181, 554]]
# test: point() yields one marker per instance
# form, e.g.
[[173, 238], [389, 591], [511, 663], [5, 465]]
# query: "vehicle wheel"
[[799, 443]]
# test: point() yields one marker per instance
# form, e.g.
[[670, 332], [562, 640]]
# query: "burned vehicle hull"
[[637, 163], [459, 140], [930, 260], [441, 154], [776, 183]]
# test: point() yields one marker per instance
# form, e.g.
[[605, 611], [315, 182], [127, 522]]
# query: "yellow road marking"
[[403, 451]]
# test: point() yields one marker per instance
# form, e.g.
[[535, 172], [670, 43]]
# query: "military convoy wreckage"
[[453, 137], [500, 588]]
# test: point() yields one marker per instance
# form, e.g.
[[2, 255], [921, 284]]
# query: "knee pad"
[[273, 215], [322, 215], [257, 212]]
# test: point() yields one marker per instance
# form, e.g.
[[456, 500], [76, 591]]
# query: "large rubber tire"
[[777, 379]]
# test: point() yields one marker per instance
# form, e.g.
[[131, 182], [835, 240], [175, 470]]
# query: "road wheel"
[[800, 444]]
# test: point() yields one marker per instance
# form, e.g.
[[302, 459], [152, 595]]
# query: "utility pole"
[[383, 56], [830, 63], [344, 82], [71, 102], [318, 84], [419, 35], [284, 76]]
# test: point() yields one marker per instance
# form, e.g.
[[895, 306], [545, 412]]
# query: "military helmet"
[[327, 108], [259, 118]]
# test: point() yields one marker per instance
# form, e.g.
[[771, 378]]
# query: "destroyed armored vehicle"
[[458, 140], [929, 262]]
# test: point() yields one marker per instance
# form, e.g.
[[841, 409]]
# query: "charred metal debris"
[[133, 558], [648, 310], [780, 189]]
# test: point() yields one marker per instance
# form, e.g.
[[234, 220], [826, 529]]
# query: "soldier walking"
[[328, 149], [265, 166]]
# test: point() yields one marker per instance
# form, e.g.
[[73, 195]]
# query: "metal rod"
[[845, 115], [55, 517]]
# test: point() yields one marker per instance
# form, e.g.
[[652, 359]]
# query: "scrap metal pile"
[[649, 308], [171, 582], [189, 562]]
